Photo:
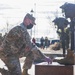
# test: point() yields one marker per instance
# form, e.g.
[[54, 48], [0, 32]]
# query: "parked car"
[[53, 41]]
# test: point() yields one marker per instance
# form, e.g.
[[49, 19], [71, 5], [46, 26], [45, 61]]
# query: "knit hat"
[[30, 17]]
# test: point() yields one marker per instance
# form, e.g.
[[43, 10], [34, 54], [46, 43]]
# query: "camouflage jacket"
[[17, 42], [1, 39]]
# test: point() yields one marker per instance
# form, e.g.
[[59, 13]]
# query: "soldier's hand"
[[48, 59]]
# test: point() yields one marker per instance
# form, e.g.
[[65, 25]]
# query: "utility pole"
[[33, 12], [32, 15], [7, 26]]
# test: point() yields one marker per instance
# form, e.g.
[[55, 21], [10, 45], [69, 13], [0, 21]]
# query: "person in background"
[[46, 42], [17, 44], [33, 41], [42, 42]]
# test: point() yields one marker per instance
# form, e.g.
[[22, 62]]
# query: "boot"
[[25, 72], [68, 59]]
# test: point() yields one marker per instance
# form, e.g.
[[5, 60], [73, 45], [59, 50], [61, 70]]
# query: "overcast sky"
[[13, 11]]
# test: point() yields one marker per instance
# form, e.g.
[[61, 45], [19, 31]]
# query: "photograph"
[[37, 37]]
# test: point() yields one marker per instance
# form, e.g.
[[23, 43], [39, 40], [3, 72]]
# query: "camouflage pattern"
[[1, 38], [34, 55], [17, 44]]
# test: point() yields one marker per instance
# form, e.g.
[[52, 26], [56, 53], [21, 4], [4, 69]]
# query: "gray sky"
[[13, 11]]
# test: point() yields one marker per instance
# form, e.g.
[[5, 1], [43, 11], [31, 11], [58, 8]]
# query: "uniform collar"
[[23, 26]]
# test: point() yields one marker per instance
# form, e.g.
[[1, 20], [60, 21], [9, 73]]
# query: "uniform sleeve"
[[37, 53], [14, 39], [28, 42], [19, 40]]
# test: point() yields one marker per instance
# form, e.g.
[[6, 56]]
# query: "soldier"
[[17, 44]]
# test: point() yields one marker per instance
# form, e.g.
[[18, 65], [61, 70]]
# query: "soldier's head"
[[60, 22], [68, 9], [29, 21]]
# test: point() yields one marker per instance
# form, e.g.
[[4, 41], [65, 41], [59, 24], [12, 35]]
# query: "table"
[[53, 69]]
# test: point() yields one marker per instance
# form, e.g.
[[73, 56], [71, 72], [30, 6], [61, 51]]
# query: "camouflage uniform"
[[17, 44], [1, 39]]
